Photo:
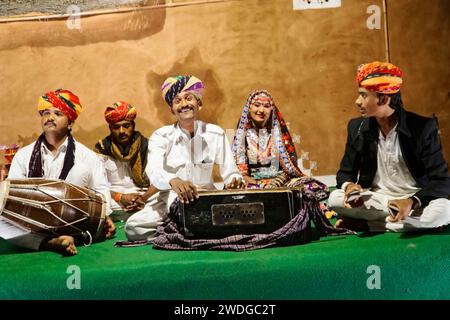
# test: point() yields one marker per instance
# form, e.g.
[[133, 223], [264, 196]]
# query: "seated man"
[[182, 156], [264, 151], [393, 175], [126, 153], [57, 155]]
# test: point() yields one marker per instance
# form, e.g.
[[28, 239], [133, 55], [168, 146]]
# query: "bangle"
[[117, 197]]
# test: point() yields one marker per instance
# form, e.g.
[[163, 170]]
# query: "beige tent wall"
[[306, 59], [419, 34]]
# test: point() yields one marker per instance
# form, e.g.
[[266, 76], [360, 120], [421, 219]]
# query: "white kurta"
[[88, 171], [119, 178], [392, 177], [173, 153]]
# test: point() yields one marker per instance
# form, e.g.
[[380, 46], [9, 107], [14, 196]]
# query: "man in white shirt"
[[393, 175], [182, 156], [56, 155], [125, 153]]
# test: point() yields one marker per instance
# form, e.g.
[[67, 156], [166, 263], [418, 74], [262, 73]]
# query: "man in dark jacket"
[[393, 175]]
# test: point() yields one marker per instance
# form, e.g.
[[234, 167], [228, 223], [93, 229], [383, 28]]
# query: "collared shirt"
[[392, 176], [87, 171], [173, 153]]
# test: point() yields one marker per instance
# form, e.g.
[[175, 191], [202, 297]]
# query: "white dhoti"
[[375, 211], [19, 236], [142, 224]]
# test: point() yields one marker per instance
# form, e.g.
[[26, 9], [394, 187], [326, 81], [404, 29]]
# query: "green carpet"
[[411, 267]]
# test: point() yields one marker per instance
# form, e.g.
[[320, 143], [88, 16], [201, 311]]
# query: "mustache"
[[189, 106], [49, 121], [123, 135]]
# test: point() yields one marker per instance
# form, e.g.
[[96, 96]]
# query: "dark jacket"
[[421, 149]]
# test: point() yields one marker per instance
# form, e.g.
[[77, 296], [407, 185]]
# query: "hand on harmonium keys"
[[236, 183], [185, 190]]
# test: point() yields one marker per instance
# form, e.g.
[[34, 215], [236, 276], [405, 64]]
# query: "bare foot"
[[61, 244]]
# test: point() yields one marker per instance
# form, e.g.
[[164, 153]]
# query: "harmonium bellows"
[[218, 214]]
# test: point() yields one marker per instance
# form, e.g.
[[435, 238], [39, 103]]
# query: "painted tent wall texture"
[[305, 58]]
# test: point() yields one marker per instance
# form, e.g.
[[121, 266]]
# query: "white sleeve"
[[99, 182], [158, 176], [19, 165], [148, 165], [104, 160], [225, 159]]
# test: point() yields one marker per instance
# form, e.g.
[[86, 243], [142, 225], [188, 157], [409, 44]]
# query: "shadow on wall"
[[193, 64], [101, 131], [133, 25], [94, 135]]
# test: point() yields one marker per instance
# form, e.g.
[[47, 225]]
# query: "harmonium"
[[221, 213]]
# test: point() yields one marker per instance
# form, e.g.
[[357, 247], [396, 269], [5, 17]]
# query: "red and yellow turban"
[[381, 77], [120, 111], [63, 100], [174, 85]]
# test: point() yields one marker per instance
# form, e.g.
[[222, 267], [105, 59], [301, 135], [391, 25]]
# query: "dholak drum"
[[53, 208]]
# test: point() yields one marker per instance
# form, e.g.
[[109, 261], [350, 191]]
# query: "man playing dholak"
[[126, 152], [182, 156], [57, 155]]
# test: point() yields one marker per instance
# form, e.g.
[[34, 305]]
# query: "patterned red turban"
[[119, 111], [63, 100]]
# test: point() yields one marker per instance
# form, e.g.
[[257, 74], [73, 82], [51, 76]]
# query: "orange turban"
[[381, 77], [119, 111]]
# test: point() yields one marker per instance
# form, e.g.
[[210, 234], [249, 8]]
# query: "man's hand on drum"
[[236, 183], [109, 228], [186, 190]]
